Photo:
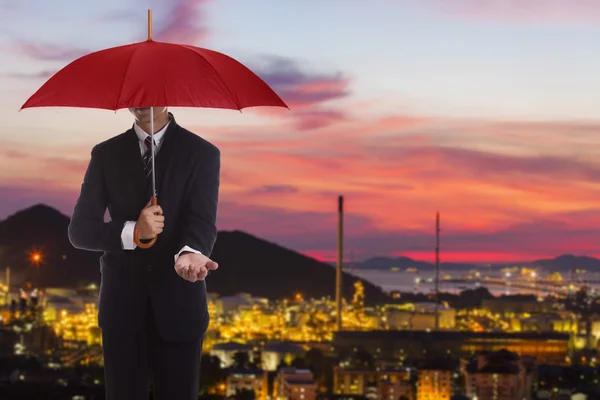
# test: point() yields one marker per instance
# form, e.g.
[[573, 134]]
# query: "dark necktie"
[[148, 157]]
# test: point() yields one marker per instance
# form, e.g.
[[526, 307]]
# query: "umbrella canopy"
[[154, 74]]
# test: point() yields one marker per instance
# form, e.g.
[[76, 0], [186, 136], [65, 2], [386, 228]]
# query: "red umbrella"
[[154, 74]]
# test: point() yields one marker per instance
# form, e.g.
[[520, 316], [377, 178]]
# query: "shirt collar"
[[158, 136]]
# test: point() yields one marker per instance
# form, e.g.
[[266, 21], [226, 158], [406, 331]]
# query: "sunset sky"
[[486, 110]]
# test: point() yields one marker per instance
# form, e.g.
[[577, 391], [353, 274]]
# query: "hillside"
[[247, 263]]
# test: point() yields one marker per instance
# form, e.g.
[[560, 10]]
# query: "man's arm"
[[184, 250], [129, 243], [199, 232], [127, 236], [87, 229]]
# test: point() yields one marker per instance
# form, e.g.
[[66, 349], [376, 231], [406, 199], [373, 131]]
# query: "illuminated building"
[[79, 327], [226, 351], [294, 384], [435, 381], [357, 381], [595, 327], [557, 322], [447, 315], [274, 353], [248, 379], [516, 305], [501, 375], [227, 304], [551, 347], [396, 318], [5, 289], [358, 299], [388, 390], [418, 316]]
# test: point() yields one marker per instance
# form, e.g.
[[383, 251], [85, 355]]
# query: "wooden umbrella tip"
[[149, 24]]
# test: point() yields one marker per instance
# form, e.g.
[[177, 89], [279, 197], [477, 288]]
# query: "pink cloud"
[[47, 51], [530, 11], [42, 75], [311, 95], [184, 22], [315, 119], [297, 85], [395, 172]]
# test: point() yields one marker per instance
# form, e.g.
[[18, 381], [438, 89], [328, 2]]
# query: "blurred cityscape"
[[471, 344]]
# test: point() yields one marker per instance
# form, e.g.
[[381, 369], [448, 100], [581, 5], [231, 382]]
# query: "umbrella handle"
[[136, 232]]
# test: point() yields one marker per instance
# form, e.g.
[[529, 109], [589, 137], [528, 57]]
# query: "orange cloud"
[[512, 189]]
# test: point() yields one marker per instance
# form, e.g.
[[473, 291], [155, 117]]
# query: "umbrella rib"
[[125, 76], [218, 75]]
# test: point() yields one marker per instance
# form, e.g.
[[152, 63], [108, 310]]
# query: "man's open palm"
[[194, 267]]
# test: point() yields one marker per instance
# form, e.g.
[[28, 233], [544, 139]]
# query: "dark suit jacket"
[[187, 178]]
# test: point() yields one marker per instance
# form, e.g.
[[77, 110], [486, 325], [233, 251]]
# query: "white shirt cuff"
[[127, 236], [186, 248]]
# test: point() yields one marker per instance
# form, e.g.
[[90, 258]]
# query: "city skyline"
[[485, 112]]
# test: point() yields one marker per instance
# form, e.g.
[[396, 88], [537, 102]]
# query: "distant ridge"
[[560, 263], [247, 263]]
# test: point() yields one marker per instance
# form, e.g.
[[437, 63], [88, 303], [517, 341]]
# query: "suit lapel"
[[134, 165], [164, 156]]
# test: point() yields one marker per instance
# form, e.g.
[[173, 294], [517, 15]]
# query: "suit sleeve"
[[199, 228], [87, 229]]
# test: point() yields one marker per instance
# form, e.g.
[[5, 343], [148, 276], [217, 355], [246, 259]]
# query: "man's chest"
[[129, 187]]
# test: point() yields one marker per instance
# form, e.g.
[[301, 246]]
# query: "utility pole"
[[7, 281], [437, 271], [339, 265]]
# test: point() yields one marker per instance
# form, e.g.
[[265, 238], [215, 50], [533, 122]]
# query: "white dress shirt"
[[129, 227]]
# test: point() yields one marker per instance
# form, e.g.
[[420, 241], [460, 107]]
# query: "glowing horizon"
[[485, 113]]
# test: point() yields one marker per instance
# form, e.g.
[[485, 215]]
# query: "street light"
[[36, 257]]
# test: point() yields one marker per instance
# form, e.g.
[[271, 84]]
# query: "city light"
[[310, 324], [36, 257]]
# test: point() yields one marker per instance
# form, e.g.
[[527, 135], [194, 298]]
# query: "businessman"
[[152, 306]]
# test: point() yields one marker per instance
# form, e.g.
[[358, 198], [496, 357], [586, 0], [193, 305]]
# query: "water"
[[423, 281]]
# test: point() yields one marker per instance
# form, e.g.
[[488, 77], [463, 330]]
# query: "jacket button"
[[149, 267]]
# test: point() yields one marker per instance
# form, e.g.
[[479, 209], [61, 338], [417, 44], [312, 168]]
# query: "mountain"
[[263, 268], [560, 264], [567, 262], [246, 263]]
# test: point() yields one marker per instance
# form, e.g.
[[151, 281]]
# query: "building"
[[500, 375], [226, 352], [388, 390], [294, 384], [385, 378], [519, 304], [275, 352], [435, 380], [548, 347], [256, 380], [554, 322], [418, 316]]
